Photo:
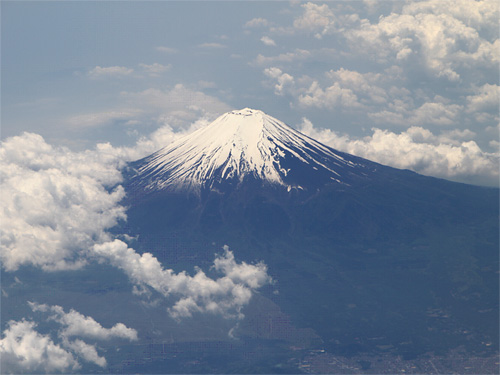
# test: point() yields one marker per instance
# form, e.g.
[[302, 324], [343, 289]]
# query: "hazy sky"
[[410, 84], [87, 86]]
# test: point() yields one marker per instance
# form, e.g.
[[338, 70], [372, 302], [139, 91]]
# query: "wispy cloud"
[[257, 22], [111, 71], [168, 50], [212, 45], [155, 69], [103, 118]]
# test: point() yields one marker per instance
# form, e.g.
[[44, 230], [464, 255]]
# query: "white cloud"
[[479, 14], [442, 37], [199, 293], [267, 41], [252, 276], [380, 97], [155, 69], [330, 97], [436, 112], [318, 19], [363, 84], [418, 149], [22, 348], [344, 88], [86, 351], [111, 71], [76, 324], [349, 89], [487, 97], [257, 22], [285, 81], [55, 203]]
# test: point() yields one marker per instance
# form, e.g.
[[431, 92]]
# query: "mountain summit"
[[246, 144]]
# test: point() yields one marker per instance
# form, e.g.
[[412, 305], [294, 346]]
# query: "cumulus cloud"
[[285, 82], [437, 111], [55, 203], [22, 348], [442, 37], [450, 155], [267, 41], [76, 324], [344, 88], [155, 69], [111, 71], [330, 97], [378, 95], [318, 19], [365, 85], [225, 295], [485, 98]]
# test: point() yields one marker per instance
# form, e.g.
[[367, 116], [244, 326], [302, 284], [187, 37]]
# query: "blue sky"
[[409, 84]]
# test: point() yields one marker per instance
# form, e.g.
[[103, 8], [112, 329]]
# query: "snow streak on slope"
[[237, 144]]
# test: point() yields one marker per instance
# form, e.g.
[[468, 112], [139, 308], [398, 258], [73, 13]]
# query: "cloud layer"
[[447, 155]]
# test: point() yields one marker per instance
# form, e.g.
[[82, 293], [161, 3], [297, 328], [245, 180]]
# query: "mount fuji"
[[366, 259], [247, 144]]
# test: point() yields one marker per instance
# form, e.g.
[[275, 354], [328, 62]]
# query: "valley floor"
[[456, 362]]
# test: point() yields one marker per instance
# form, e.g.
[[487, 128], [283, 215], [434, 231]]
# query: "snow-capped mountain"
[[364, 256], [242, 144]]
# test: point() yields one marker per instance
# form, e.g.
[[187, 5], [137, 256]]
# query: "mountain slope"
[[372, 259]]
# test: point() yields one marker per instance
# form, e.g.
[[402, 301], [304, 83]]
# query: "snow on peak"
[[237, 144]]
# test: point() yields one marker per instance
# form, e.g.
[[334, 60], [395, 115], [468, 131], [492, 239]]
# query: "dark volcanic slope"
[[369, 257]]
